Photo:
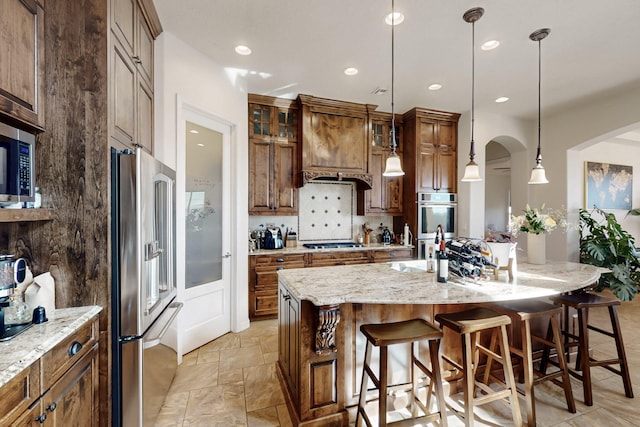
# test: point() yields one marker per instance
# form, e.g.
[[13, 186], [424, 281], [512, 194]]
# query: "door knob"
[[227, 255]]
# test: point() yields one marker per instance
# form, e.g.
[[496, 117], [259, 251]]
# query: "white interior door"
[[204, 281]]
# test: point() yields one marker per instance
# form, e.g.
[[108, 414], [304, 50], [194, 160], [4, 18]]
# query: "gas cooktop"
[[331, 245]]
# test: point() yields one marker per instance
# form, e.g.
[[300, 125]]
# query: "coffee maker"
[[12, 272]]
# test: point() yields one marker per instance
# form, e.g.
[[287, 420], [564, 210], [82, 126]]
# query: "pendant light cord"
[[393, 116], [539, 153], [472, 151]]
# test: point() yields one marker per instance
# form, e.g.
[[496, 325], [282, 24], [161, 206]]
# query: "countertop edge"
[[302, 250], [29, 346]]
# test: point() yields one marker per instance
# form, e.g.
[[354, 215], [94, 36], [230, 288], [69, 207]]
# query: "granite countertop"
[[407, 282], [21, 351], [301, 249]]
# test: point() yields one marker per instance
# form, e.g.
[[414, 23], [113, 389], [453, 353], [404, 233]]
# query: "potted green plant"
[[604, 243]]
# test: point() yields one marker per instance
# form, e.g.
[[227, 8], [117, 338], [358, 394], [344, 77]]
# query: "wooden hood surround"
[[334, 136]]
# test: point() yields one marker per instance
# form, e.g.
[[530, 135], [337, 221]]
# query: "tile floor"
[[232, 382]]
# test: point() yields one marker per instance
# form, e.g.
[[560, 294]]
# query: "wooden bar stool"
[[386, 334], [582, 302], [470, 324], [525, 311]]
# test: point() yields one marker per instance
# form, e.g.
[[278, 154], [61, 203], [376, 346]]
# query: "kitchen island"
[[321, 310]]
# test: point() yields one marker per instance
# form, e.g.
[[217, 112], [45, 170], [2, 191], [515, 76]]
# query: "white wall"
[[563, 135], [184, 73], [497, 201]]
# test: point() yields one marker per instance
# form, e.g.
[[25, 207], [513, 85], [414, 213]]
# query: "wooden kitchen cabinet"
[[289, 339], [60, 388], [22, 63], [263, 282], [272, 174], [334, 140], [433, 137], [273, 156], [132, 70], [385, 196], [273, 119]]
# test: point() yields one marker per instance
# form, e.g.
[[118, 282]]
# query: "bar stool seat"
[[409, 331], [525, 311], [469, 325], [582, 302]]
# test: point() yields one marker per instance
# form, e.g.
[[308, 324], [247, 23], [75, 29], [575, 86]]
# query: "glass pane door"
[[203, 205]]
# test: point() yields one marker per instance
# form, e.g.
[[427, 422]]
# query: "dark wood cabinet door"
[[123, 94], [75, 395], [145, 116], [426, 169], [447, 170], [260, 198], [22, 63], [284, 167]]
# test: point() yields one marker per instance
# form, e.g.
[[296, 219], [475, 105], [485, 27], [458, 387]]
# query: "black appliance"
[[17, 164]]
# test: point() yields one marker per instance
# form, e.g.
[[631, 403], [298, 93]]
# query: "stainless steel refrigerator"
[[143, 285]]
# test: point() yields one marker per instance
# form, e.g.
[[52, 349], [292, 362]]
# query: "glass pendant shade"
[[471, 172], [538, 176], [393, 167]]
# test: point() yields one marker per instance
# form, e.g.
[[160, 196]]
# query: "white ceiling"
[[303, 46]]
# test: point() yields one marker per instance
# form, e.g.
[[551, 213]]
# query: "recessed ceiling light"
[[394, 18], [200, 145], [351, 71], [435, 86], [193, 131], [490, 45], [502, 99], [243, 50]]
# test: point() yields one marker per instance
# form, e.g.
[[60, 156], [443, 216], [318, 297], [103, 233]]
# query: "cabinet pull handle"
[[280, 260], [137, 59], [287, 297], [74, 348], [41, 419], [52, 407], [279, 268]]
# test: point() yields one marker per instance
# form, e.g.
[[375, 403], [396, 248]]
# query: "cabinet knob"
[[41, 419], [52, 407], [74, 348]]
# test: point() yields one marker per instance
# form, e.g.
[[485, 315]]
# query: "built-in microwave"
[[16, 165]]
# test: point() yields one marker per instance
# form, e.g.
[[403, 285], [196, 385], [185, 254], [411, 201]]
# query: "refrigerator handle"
[[160, 327]]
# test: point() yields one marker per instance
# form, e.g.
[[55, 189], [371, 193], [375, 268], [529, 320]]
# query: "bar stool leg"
[[434, 346], [382, 398], [583, 356], [562, 362], [468, 357], [624, 368], [364, 385], [508, 376], [527, 368]]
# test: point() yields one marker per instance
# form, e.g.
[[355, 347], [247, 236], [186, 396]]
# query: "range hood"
[[334, 141]]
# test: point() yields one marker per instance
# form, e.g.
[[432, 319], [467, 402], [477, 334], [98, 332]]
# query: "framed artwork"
[[608, 186]]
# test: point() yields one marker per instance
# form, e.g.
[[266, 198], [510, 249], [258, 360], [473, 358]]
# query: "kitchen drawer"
[[18, 394], [278, 259], [266, 303], [60, 358], [266, 280], [338, 258], [392, 255]]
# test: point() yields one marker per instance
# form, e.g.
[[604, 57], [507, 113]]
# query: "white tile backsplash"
[[325, 211]]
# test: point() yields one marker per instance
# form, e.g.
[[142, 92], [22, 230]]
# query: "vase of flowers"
[[537, 222]]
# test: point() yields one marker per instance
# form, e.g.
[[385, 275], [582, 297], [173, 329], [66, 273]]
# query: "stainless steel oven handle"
[[154, 335]]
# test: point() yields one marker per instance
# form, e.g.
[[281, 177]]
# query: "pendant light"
[[472, 170], [393, 167], [537, 174]]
